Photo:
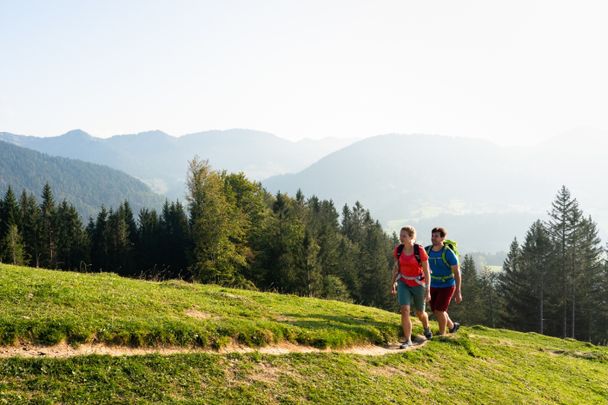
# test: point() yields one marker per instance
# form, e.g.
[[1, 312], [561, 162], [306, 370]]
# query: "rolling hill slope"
[[479, 365]]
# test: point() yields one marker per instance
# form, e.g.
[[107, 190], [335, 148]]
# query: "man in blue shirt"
[[445, 280]]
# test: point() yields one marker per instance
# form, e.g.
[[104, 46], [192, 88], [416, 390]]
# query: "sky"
[[515, 72]]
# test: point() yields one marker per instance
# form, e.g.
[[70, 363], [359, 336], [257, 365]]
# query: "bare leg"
[[450, 324], [442, 319], [424, 318], [406, 323]]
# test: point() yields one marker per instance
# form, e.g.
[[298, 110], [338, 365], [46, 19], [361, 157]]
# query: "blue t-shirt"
[[439, 269]]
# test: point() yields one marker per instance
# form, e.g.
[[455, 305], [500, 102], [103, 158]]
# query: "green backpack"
[[453, 246]]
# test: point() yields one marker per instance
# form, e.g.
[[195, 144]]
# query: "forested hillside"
[[232, 232], [161, 160], [87, 186]]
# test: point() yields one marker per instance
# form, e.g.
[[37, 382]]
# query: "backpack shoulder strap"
[[400, 250], [443, 257], [417, 248]]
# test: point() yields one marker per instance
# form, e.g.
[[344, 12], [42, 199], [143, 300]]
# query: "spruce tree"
[[175, 242], [30, 224], [9, 211], [599, 320], [470, 311], [120, 243], [538, 270], [321, 221], [9, 216], [72, 240], [588, 283], [284, 247], [130, 240], [148, 248], [348, 252], [48, 228], [561, 225], [99, 237], [487, 297]]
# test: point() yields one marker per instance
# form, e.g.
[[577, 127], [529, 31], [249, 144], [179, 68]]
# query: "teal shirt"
[[438, 267]]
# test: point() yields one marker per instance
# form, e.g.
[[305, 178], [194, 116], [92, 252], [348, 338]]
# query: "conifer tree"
[[283, 250], [148, 248], [72, 240], [322, 222], [587, 283], [9, 211], [487, 298], [375, 265], [99, 237], [538, 271], [175, 242], [9, 216], [29, 224], [562, 222], [470, 311], [48, 228], [311, 277]]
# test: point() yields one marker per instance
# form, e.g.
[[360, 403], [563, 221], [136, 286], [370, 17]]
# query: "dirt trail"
[[65, 350]]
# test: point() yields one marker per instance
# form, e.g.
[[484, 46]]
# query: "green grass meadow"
[[46, 307], [478, 365]]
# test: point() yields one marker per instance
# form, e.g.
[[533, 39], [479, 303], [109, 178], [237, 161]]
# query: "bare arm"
[[458, 293], [394, 277], [395, 272], [427, 278]]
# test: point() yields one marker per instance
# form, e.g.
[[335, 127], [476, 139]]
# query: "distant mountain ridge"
[[87, 186], [160, 160], [486, 194]]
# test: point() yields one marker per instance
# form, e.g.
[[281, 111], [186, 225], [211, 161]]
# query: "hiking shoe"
[[454, 328], [428, 334], [405, 345]]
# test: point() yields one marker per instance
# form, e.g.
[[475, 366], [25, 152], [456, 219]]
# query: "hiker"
[[410, 282], [445, 278]]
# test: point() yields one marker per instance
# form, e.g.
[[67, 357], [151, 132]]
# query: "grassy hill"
[[478, 365]]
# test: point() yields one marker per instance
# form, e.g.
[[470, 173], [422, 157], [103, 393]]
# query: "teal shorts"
[[412, 296]]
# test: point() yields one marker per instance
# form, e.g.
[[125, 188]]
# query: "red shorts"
[[441, 297]]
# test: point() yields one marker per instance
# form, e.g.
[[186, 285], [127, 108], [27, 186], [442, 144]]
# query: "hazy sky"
[[511, 71]]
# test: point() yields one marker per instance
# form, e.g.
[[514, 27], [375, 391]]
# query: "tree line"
[[230, 231], [554, 282]]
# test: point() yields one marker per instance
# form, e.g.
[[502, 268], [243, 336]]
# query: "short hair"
[[441, 231], [410, 230]]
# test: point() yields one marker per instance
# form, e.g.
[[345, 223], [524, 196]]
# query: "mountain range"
[[87, 186], [161, 160], [485, 194]]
